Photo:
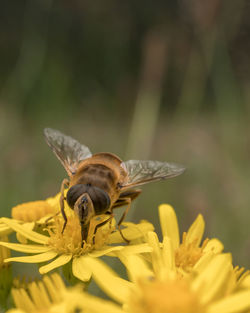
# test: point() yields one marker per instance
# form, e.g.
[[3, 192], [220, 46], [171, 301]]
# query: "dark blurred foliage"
[[166, 80]]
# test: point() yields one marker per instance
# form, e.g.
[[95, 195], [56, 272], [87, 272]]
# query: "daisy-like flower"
[[185, 255], [189, 257], [35, 210], [204, 281], [208, 291], [39, 296], [31, 215], [61, 249]]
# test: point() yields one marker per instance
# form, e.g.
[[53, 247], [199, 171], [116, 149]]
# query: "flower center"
[[32, 211], [166, 297], [188, 254], [70, 241]]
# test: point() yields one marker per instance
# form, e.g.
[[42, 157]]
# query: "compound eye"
[[100, 199], [74, 193]]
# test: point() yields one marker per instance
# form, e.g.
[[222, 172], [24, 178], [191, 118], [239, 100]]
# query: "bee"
[[101, 182]]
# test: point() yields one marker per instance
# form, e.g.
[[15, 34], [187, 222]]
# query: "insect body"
[[101, 182]]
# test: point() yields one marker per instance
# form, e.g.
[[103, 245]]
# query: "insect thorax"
[[98, 175]]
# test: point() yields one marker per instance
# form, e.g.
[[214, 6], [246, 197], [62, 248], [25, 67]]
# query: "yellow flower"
[[182, 256], [61, 249], [35, 210], [31, 215], [39, 296], [191, 250], [187, 277], [205, 292], [189, 257]]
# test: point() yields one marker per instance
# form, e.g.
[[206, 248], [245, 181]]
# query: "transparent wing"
[[142, 172], [68, 150]]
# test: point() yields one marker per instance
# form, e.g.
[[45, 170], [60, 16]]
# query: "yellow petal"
[[131, 232], [168, 255], [29, 225], [157, 261], [245, 281], [38, 258], [212, 278], [5, 229], [25, 248], [214, 245], [47, 292], [105, 250], [169, 224], [114, 286], [54, 286], [54, 201], [79, 270], [38, 294], [20, 237], [137, 267], [22, 300], [60, 261], [236, 303], [137, 249], [27, 233], [203, 262], [196, 231], [78, 301], [131, 249], [56, 281]]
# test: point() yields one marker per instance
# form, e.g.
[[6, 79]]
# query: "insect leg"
[[102, 223], [125, 199], [65, 182], [132, 194], [111, 213], [128, 202], [50, 218]]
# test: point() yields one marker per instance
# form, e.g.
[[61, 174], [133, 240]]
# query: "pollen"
[[188, 254], [70, 241], [32, 211], [161, 297]]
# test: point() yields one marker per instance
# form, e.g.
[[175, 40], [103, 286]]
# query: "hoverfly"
[[101, 182]]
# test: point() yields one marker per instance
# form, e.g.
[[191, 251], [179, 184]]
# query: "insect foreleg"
[[65, 182], [128, 202], [50, 218], [102, 224]]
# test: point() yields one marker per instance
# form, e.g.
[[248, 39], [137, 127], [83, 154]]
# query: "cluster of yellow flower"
[[169, 276]]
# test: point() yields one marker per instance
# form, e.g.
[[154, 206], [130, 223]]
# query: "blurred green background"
[[144, 80]]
